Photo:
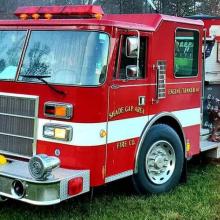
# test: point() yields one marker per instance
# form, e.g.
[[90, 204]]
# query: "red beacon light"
[[69, 11]]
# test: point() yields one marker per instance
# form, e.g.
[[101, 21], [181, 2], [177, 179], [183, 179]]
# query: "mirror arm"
[[138, 55]]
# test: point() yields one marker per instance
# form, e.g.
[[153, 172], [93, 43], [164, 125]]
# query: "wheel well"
[[173, 124], [167, 119]]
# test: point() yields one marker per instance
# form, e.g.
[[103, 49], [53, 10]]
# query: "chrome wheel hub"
[[160, 162]]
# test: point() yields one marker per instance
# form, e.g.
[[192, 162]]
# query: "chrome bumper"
[[52, 191]]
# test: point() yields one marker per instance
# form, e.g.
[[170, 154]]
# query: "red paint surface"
[[72, 157], [91, 104], [120, 159], [192, 134]]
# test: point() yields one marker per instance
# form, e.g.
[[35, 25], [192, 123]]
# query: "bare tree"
[[172, 7], [208, 7]]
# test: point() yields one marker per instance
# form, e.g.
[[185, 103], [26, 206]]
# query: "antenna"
[[90, 2], [150, 2]]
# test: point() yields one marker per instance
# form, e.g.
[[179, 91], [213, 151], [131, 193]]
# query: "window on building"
[[186, 53]]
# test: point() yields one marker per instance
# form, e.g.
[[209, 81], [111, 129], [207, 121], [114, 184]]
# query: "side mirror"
[[131, 71], [132, 44]]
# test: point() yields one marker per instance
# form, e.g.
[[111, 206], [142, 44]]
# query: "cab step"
[[204, 134], [214, 153], [212, 149]]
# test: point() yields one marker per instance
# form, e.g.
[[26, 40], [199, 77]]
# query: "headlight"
[[40, 166], [59, 132]]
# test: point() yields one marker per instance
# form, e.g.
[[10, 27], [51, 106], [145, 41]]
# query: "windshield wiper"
[[41, 78]]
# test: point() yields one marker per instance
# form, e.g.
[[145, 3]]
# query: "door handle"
[[114, 86]]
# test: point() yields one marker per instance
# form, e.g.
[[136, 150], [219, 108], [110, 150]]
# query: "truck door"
[[128, 108]]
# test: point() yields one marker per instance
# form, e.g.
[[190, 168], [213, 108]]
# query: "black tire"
[[147, 179]]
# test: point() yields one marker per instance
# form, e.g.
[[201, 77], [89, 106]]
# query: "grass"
[[198, 199]]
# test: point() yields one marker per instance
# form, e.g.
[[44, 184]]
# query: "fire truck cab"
[[88, 98]]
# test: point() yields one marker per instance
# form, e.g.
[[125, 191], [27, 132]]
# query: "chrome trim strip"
[[153, 84], [124, 86], [119, 176], [30, 201], [17, 116], [176, 83], [14, 135], [18, 95], [26, 41], [13, 154], [36, 121]]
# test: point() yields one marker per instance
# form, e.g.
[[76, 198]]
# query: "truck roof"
[[144, 22]]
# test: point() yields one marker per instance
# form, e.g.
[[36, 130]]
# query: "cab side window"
[[186, 53], [128, 63]]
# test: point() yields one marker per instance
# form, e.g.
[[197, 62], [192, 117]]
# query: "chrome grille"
[[16, 145], [18, 117], [17, 105]]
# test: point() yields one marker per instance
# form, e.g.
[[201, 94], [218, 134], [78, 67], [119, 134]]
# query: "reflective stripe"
[[84, 134], [126, 128], [188, 117], [88, 134]]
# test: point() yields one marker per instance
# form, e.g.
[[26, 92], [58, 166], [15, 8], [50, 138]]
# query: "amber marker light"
[[188, 146], [98, 16], [23, 16], [58, 110], [35, 16], [48, 16], [103, 133]]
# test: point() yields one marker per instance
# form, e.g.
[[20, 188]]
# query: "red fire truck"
[[88, 98]]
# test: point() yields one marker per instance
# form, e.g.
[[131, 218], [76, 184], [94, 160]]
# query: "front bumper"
[[52, 191]]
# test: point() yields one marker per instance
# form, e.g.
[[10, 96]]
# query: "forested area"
[[171, 7]]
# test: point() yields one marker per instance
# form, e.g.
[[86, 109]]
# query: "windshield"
[[11, 44], [66, 57]]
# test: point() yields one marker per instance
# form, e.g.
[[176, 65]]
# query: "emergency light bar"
[[69, 11]]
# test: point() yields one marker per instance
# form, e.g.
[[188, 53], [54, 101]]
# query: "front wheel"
[[160, 161]]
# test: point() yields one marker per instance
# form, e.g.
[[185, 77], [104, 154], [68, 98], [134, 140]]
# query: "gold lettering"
[[121, 144], [124, 144], [139, 110], [183, 91], [131, 142], [129, 108]]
